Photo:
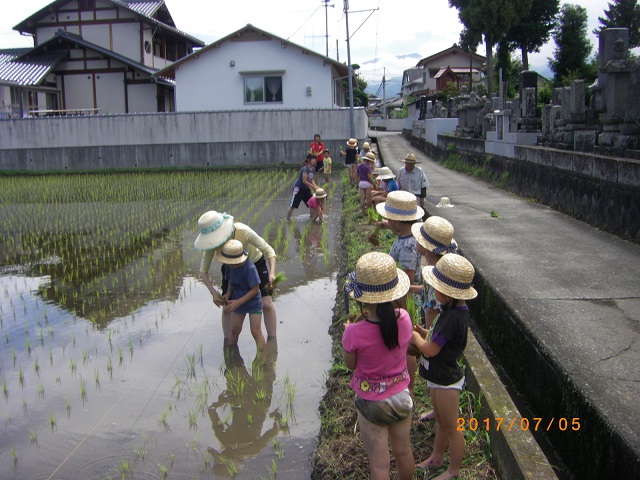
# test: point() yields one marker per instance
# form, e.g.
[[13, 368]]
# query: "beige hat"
[[436, 235], [410, 158], [376, 171], [386, 174], [215, 229], [452, 276], [444, 203], [352, 142], [376, 279], [370, 157], [232, 253], [320, 193], [366, 146], [400, 205]]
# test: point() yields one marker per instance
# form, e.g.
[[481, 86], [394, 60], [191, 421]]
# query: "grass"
[[340, 453]]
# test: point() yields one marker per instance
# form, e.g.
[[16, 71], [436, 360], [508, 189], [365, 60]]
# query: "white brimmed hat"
[[352, 142], [231, 253], [215, 229], [320, 193], [366, 146], [386, 174], [452, 276], [444, 203], [410, 158], [376, 279], [400, 205], [436, 235]]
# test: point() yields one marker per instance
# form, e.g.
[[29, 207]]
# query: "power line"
[[305, 22]]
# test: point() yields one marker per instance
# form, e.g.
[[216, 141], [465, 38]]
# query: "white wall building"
[[253, 69]]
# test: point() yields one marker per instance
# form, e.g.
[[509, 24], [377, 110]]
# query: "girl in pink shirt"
[[376, 350]]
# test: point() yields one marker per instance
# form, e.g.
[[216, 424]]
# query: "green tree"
[[511, 68], [534, 29], [360, 98], [491, 19], [622, 14], [570, 57]]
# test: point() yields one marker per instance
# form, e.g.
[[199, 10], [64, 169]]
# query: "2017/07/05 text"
[[536, 423]]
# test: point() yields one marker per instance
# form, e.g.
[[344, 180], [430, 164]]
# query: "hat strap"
[[441, 248], [216, 225], [226, 255], [358, 288], [397, 211], [447, 281]]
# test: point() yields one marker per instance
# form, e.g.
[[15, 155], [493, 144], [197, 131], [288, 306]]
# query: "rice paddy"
[[112, 359]]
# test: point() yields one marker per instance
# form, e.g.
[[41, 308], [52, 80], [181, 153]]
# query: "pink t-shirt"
[[380, 372], [313, 202]]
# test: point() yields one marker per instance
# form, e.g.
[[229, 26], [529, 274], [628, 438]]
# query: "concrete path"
[[574, 287]]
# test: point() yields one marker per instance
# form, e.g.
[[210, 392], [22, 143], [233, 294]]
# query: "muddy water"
[[131, 377]]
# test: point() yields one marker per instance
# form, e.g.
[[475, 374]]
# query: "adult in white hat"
[[412, 178], [215, 229], [376, 350]]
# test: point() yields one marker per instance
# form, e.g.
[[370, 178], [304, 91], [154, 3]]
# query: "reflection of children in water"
[[237, 417], [309, 247]]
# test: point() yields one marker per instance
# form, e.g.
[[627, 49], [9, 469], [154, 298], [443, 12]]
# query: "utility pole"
[[326, 24], [384, 91], [352, 121]]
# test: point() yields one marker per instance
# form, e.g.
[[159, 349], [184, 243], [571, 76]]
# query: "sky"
[[386, 36]]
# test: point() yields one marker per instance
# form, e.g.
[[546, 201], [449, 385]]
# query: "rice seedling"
[[27, 344], [236, 383], [14, 456], [50, 357], [58, 379], [163, 471], [231, 469], [191, 366], [85, 357], [125, 467], [73, 366], [13, 356], [163, 420], [119, 356], [21, 377], [24, 405], [83, 391], [96, 374], [67, 404], [41, 390], [52, 421], [273, 468], [110, 367], [141, 452], [33, 437], [193, 420], [5, 390], [202, 395]]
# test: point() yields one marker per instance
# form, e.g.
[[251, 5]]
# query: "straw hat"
[[352, 142], [370, 157], [386, 174], [377, 279], [376, 171], [452, 276], [320, 193], [444, 202], [410, 158], [232, 253], [366, 146], [436, 235], [400, 205], [215, 229]]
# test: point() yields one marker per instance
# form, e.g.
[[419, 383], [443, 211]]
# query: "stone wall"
[[602, 191]]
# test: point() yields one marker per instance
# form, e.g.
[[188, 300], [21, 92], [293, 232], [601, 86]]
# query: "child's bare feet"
[[430, 463], [446, 475]]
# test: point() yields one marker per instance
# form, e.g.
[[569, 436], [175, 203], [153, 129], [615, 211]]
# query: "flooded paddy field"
[[111, 350]]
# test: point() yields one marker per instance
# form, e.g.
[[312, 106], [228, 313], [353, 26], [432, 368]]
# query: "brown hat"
[[370, 157], [452, 276]]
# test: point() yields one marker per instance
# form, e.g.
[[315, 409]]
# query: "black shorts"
[[263, 273], [320, 166], [303, 194]]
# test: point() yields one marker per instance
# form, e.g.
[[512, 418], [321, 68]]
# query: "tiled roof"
[[29, 71], [148, 8]]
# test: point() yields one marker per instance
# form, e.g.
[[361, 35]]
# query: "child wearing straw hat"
[[452, 279], [351, 160], [375, 349], [387, 184], [366, 180], [243, 296], [316, 205], [401, 211], [214, 230], [412, 178]]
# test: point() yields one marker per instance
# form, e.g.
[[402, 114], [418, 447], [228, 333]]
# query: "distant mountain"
[[409, 55]]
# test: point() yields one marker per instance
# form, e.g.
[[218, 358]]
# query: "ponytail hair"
[[388, 324]]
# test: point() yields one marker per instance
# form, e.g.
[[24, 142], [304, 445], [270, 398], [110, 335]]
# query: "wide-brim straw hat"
[[400, 205], [376, 279], [386, 174], [366, 145], [410, 158], [215, 229], [452, 276], [320, 193], [436, 235], [376, 171], [370, 157], [445, 202], [352, 142], [231, 253]]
